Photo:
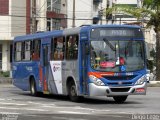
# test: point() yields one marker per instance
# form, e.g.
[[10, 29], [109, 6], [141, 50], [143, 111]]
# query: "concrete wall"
[[18, 19], [12, 25], [83, 9], [6, 56], [41, 15], [126, 2], [5, 27]]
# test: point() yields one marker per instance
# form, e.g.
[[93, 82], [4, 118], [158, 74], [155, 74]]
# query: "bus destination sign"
[[116, 32]]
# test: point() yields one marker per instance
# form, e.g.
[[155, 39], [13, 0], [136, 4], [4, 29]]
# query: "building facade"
[[12, 23], [85, 12], [51, 15], [20, 17]]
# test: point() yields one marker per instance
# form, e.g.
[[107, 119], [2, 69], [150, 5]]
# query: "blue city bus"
[[91, 60]]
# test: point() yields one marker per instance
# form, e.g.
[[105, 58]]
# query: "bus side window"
[[72, 47], [18, 50], [57, 47], [27, 47], [36, 49]]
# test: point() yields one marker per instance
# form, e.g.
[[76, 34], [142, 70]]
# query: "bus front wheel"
[[33, 89], [73, 92], [120, 99]]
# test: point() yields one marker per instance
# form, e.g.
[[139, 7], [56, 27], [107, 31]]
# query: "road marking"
[[40, 110], [41, 104], [123, 112], [71, 112], [18, 104], [66, 118], [9, 108], [28, 109], [81, 108], [2, 99], [30, 115], [9, 113]]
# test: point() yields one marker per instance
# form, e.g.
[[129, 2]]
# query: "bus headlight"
[[96, 81], [141, 80]]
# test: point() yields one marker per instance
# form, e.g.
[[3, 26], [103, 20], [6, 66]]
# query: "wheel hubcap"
[[73, 93], [32, 89]]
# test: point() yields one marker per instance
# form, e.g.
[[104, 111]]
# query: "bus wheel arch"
[[32, 86], [72, 89]]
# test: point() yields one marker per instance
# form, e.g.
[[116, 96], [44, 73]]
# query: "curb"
[[154, 84]]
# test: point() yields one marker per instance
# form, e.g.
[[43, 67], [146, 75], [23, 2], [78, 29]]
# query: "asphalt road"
[[19, 105]]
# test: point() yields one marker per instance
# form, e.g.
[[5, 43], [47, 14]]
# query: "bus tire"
[[73, 92], [120, 99], [33, 89]]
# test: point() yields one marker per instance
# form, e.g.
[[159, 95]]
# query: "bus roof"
[[38, 35], [67, 31]]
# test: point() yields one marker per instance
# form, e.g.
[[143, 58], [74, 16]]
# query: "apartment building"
[[20, 17], [82, 12], [13, 22], [51, 15]]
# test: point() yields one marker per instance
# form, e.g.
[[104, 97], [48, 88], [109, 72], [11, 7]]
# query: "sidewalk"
[[5, 80], [154, 84]]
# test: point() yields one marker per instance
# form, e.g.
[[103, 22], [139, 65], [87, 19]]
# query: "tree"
[[150, 13]]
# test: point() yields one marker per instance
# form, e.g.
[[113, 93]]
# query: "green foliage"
[[150, 65], [153, 55], [4, 74]]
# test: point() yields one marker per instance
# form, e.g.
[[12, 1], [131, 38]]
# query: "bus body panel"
[[22, 72], [53, 76]]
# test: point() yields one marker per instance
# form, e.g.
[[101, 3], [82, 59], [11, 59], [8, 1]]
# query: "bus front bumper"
[[117, 91]]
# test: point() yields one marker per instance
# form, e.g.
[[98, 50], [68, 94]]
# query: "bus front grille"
[[120, 77], [120, 89], [122, 83]]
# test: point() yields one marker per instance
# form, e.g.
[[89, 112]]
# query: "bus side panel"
[[70, 69], [55, 77], [22, 72]]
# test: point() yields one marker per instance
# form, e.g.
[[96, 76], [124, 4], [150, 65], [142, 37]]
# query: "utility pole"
[[73, 20], [33, 16]]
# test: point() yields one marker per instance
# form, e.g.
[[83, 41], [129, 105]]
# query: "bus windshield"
[[117, 55]]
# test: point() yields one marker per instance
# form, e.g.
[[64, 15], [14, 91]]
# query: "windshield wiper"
[[109, 44]]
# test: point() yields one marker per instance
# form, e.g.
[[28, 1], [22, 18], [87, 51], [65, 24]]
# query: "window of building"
[[0, 56], [56, 6], [53, 24], [72, 47], [48, 5], [57, 48], [56, 24], [48, 24], [36, 49]]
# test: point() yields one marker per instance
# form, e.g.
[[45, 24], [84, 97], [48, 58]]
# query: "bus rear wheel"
[[33, 89], [120, 99], [73, 92]]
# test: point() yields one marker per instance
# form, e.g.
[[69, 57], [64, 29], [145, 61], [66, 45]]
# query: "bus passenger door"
[[84, 66], [45, 64]]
